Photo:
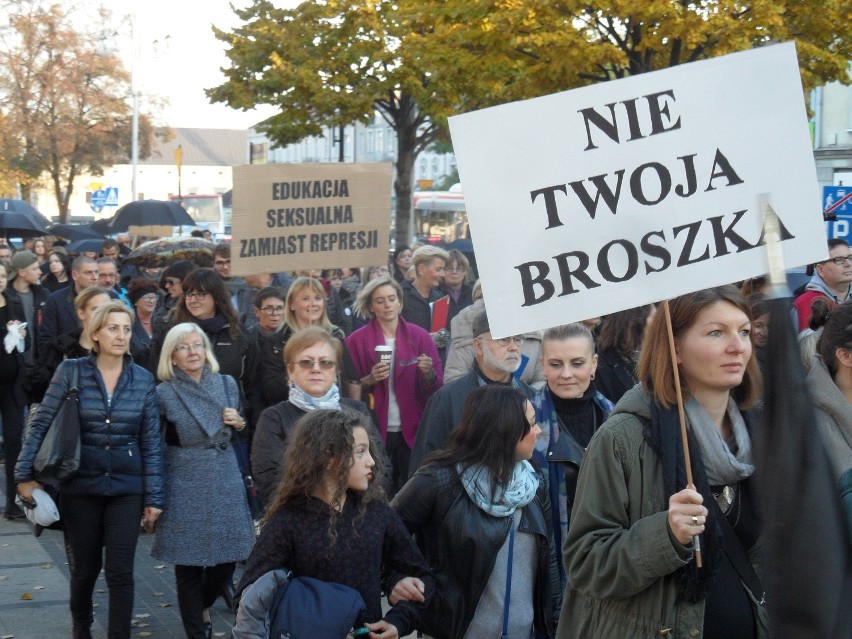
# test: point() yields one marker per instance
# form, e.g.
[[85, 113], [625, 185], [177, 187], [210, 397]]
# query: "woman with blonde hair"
[[399, 388], [207, 527], [121, 466]]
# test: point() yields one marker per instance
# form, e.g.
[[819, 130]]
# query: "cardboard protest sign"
[[290, 217], [620, 194], [152, 231]]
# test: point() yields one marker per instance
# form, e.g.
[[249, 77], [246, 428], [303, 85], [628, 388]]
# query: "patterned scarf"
[[301, 399], [521, 490]]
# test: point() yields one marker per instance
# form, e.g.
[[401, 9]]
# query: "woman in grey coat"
[[208, 527]]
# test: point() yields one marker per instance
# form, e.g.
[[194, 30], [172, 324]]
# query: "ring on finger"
[[694, 520]]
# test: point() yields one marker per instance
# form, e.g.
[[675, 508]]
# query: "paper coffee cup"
[[384, 354]]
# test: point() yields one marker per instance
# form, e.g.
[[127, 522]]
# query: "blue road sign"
[[112, 196], [98, 200], [838, 200]]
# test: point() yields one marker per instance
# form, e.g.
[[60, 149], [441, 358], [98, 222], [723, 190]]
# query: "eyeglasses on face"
[[222, 262], [195, 295], [273, 310], [455, 269], [505, 341], [185, 348], [308, 364], [170, 282], [150, 297], [841, 260]]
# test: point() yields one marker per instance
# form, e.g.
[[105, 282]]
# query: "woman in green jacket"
[[630, 550]]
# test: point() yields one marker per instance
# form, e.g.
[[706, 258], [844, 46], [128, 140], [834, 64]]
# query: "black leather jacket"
[[461, 543]]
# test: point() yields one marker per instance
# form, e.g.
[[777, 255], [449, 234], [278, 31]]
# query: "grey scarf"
[[203, 401], [722, 466]]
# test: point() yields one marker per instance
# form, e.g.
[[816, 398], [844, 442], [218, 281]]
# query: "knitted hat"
[[139, 287], [23, 259]]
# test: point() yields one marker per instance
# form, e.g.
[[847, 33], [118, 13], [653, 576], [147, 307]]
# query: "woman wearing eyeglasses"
[[207, 527], [142, 294], [454, 284], [312, 357], [399, 390], [205, 301]]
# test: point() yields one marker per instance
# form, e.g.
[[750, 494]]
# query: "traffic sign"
[[98, 200], [112, 196], [837, 200]]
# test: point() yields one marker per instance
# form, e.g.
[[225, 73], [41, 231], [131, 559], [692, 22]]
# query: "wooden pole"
[[681, 416]]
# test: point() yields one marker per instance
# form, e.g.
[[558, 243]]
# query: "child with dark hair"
[[329, 520]]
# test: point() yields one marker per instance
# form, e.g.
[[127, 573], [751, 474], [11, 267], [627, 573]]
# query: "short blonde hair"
[[307, 337], [99, 319], [425, 255], [365, 297], [165, 367]]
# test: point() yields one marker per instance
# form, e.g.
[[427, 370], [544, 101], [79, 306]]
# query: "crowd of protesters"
[[459, 474]]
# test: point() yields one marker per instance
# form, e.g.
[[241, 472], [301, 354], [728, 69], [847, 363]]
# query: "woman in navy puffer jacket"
[[121, 467]]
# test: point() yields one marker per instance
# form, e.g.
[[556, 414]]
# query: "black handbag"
[[58, 458]]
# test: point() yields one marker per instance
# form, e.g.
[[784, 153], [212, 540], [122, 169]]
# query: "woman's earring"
[[592, 376]]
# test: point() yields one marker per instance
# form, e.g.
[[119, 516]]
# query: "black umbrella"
[[20, 218], [101, 227], [150, 213], [86, 245], [74, 232]]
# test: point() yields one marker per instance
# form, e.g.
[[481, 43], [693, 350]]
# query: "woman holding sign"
[[630, 551], [401, 383]]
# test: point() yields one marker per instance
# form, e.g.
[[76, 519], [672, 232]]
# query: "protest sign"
[[152, 231], [290, 217], [620, 194]]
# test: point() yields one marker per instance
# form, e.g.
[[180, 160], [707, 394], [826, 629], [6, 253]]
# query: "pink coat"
[[411, 389]]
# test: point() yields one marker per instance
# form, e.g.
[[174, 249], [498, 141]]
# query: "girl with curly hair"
[[330, 520]]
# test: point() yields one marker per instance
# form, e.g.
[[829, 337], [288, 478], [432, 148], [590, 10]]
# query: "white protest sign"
[[620, 194], [290, 217]]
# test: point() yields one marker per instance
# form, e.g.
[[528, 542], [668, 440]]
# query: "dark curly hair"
[[319, 439]]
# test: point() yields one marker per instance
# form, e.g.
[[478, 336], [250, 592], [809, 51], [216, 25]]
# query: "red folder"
[[440, 311]]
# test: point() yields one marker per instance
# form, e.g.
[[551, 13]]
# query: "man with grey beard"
[[496, 361]]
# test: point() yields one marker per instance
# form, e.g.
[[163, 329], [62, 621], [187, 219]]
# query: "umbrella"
[[20, 218], [463, 245], [74, 232], [164, 251], [86, 245], [150, 213], [101, 226]]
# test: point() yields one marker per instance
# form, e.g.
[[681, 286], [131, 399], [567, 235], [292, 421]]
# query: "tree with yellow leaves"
[[417, 62]]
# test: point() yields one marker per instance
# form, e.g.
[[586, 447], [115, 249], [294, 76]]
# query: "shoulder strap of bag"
[[508, 597], [74, 386], [738, 556]]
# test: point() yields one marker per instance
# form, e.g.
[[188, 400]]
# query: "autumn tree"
[[62, 97], [332, 64], [418, 62]]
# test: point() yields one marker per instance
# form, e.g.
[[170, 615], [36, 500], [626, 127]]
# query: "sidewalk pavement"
[[34, 591]]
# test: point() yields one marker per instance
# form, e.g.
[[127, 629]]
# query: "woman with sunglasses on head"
[[207, 527], [312, 358], [401, 388]]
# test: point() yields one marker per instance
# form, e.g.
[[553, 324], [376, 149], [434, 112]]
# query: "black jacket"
[[416, 309], [15, 359], [461, 543], [615, 375], [121, 447], [40, 295]]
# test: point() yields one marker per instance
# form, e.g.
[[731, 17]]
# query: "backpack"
[[307, 608]]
